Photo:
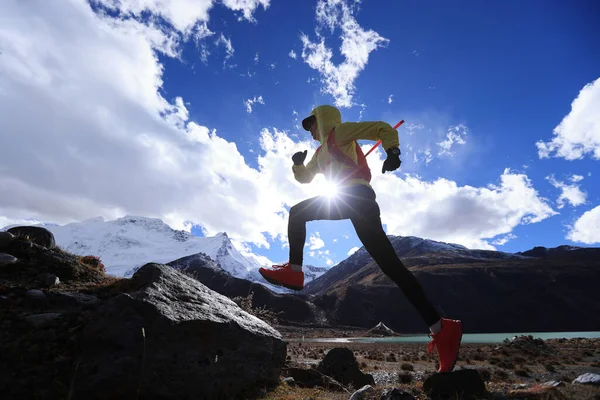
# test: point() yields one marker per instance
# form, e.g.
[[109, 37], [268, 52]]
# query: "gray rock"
[[552, 383], [588, 379], [49, 280], [362, 392], [5, 239], [6, 259], [341, 365], [309, 378], [396, 394], [35, 294], [465, 382], [289, 380], [38, 235], [42, 320], [173, 338]]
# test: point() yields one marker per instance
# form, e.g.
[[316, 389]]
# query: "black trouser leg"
[[316, 208], [359, 205], [377, 244]]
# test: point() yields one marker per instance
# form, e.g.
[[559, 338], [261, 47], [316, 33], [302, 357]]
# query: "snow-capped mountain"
[[127, 243], [311, 272]]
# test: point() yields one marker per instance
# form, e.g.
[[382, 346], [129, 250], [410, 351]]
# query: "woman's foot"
[[284, 275], [447, 342]]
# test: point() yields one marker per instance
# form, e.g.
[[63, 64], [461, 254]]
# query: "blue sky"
[[189, 111]]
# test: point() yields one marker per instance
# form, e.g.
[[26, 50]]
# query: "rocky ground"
[[69, 331], [509, 370]]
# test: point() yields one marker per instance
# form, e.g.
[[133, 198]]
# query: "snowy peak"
[[127, 243]]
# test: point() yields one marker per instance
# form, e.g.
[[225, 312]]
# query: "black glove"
[[299, 157], [392, 161]]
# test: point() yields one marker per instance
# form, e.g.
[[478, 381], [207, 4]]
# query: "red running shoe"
[[283, 275], [447, 342]]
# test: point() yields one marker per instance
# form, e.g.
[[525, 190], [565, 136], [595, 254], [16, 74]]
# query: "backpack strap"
[[361, 170]]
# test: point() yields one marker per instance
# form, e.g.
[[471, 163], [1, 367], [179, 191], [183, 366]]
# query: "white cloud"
[[250, 102], [442, 210], [226, 42], [578, 134], [587, 228], [316, 242], [247, 7], [292, 54], [256, 59], [576, 178], [433, 136], [329, 262], [183, 15], [390, 100], [357, 44], [352, 251], [91, 135], [571, 194], [454, 136], [504, 239]]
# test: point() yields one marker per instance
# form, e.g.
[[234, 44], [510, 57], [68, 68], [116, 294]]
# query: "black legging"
[[358, 204]]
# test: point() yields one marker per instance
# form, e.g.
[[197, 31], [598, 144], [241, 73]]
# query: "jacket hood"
[[327, 118]]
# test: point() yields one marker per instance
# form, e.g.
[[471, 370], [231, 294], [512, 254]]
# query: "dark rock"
[[7, 259], [35, 294], [73, 299], [38, 235], [466, 383], [173, 338], [287, 307], [42, 320], [5, 239], [396, 394], [340, 364], [588, 379], [49, 280], [309, 378], [362, 392]]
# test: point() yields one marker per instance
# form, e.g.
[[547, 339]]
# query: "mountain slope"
[[489, 291], [405, 246]]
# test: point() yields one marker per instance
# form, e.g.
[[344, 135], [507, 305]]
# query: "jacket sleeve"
[[369, 130], [305, 174]]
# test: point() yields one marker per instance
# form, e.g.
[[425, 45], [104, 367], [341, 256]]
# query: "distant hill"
[[537, 290]]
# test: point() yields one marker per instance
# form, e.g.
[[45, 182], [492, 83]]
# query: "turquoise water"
[[467, 337]]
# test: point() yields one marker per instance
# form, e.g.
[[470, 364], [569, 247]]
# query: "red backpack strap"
[[359, 171]]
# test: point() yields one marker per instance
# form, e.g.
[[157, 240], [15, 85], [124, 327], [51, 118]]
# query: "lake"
[[467, 337]]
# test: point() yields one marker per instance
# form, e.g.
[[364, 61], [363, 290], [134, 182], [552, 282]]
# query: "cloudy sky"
[[189, 111]]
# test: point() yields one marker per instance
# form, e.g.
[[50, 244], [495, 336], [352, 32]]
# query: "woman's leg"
[[316, 208], [370, 232]]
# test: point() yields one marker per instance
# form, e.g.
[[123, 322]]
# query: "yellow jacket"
[[346, 133]]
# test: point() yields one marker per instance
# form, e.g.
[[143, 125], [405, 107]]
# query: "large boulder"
[[173, 338], [38, 235], [466, 383], [5, 239], [340, 364]]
